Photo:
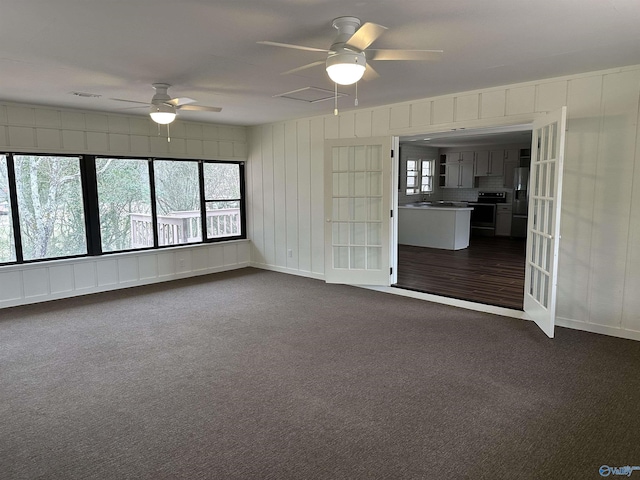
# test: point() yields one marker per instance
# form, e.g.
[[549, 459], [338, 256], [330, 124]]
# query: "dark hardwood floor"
[[490, 271]]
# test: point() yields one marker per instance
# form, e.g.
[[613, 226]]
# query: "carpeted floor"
[[260, 375]]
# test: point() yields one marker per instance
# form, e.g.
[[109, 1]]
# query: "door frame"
[[488, 129]]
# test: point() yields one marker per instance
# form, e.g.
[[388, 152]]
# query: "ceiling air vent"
[[310, 94]]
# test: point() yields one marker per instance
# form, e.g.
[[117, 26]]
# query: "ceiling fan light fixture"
[[162, 113], [346, 67]]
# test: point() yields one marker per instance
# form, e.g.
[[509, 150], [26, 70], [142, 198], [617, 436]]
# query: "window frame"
[[89, 186], [419, 175]]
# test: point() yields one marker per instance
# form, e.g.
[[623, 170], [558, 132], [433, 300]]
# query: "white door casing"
[[543, 228], [358, 228]]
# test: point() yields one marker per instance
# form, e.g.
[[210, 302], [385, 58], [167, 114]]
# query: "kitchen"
[[462, 215]]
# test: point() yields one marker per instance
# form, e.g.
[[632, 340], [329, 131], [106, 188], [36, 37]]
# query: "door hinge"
[[390, 270], [391, 153], [391, 213]]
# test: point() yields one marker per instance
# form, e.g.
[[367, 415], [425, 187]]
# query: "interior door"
[[543, 235], [358, 191]]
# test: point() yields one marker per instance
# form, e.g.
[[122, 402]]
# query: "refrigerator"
[[520, 202]]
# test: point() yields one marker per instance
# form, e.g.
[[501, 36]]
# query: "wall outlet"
[[181, 262], [289, 253]]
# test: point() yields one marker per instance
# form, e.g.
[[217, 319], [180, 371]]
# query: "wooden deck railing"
[[183, 227]]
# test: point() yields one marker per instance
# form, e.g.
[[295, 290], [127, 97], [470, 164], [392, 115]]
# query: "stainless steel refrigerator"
[[520, 202]]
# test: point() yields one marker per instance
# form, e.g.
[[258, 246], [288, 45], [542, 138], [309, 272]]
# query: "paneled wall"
[[35, 129], [598, 281], [38, 282]]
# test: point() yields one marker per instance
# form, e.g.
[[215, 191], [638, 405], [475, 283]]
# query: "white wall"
[[600, 248], [35, 129]]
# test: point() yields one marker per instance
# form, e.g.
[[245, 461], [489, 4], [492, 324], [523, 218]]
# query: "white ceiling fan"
[[163, 108], [346, 62]]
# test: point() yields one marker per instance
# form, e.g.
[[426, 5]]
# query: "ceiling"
[[207, 50], [480, 137]]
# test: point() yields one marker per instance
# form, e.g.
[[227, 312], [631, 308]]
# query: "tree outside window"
[[7, 247], [50, 206], [124, 203]]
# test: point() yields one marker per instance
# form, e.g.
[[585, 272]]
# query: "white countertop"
[[434, 207]]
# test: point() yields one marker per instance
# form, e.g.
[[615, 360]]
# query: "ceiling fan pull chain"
[[168, 136], [335, 109], [356, 102]]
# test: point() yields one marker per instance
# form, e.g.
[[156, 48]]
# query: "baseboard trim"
[[600, 329], [120, 286], [290, 271]]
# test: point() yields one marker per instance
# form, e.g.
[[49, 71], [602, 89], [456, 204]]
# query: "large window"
[[178, 202], [61, 206], [419, 176], [124, 203], [222, 198], [50, 206], [7, 246]]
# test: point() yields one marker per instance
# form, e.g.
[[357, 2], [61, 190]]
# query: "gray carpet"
[[260, 375]]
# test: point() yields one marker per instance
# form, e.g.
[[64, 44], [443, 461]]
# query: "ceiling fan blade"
[[199, 108], [370, 74], [178, 102], [129, 101], [365, 36], [304, 67], [297, 47], [133, 108], [429, 55]]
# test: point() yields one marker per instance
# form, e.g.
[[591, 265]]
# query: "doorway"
[[491, 269]]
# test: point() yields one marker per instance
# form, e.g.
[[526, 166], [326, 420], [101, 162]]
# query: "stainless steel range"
[[483, 216]]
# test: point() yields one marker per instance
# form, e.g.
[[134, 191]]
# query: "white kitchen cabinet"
[[509, 169], [481, 163], [503, 220], [458, 170], [489, 163], [496, 163]]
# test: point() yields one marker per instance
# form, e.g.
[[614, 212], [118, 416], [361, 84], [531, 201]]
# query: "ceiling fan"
[[163, 108], [347, 57]]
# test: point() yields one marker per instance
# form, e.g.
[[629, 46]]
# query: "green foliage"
[[177, 186], [51, 208], [123, 189]]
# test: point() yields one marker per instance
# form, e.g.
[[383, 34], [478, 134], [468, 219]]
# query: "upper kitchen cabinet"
[[489, 163], [457, 170], [511, 161]]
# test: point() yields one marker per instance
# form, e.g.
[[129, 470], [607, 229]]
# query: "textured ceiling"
[[207, 49]]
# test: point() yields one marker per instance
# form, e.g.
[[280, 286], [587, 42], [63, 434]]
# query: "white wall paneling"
[[599, 250], [34, 129], [37, 282]]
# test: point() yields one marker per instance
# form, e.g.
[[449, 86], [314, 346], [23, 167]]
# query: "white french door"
[[545, 195], [358, 190]]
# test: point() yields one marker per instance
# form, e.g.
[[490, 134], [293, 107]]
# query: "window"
[[177, 186], [222, 198], [54, 206], [124, 203], [419, 176], [7, 246], [50, 206]]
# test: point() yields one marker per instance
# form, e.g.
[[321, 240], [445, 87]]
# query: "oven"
[[483, 215]]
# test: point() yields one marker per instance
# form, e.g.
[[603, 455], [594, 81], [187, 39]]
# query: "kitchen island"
[[444, 225]]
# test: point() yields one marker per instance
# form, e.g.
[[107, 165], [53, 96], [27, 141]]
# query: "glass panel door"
[[357, 207], [544, 219]]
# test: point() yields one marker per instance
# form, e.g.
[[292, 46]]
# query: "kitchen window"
[[419, 176]]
